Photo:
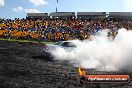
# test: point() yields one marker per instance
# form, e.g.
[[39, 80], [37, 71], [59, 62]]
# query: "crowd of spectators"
[[59, 29]]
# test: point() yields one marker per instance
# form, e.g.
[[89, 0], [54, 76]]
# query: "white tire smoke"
[[101, 53]]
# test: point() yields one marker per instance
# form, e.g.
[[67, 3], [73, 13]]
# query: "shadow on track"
[[45, 57]]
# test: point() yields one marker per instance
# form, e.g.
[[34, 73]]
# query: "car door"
[[68, 46]]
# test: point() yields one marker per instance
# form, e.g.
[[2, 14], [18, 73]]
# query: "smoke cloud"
[[101, 52]]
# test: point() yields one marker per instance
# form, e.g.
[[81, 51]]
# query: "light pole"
[[57, 6]]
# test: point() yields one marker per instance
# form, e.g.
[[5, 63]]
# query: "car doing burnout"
[[66, 45]]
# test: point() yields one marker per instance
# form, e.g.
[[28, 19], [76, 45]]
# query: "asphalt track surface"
[[25, 65]]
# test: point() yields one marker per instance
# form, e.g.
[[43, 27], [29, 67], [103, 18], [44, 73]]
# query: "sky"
[[11, 9]]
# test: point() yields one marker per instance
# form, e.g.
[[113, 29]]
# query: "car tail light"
[[46, 47]]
